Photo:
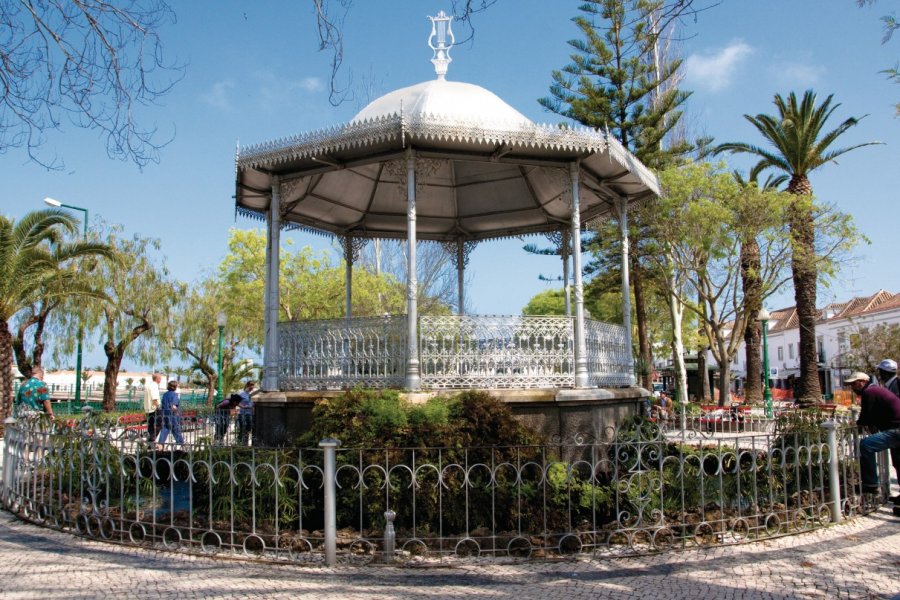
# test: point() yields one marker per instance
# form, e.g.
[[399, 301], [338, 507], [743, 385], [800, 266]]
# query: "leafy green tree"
[[621, 82], [34, 318], [869, 345], [702, 217], [141, 297], [34, 265], [195, 333], [310, 287], [548, 302], [800, 145]]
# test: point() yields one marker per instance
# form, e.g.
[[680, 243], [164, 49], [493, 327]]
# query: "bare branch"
[[94, 62]]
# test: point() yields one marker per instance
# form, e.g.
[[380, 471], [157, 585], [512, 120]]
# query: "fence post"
[[834, 479], [330, 445], [7, 460], [390, 536]]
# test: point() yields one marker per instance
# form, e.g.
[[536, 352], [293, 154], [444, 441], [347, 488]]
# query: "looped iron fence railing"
[[627, 490]]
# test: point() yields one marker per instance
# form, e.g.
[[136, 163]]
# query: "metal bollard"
[[330, 445], [390, 536], [834, 480]]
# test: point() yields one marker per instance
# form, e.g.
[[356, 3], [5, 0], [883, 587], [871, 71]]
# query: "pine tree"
[[619, 81]]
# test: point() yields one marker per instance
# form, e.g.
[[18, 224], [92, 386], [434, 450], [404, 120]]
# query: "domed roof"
[[452, 100]]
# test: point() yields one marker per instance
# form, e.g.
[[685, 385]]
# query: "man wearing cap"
[[887, 375], [880, 413]]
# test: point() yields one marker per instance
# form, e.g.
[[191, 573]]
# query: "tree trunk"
[[645, 352], [702, 376], [212, 384], [803, 269], [723, 384], [702, 368], [676, 313], [752, 286], [6, 364], [111, 380]]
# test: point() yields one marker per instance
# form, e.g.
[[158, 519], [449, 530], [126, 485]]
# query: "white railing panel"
[[340, 353]]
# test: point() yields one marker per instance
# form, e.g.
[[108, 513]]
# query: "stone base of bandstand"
[[556, 415]]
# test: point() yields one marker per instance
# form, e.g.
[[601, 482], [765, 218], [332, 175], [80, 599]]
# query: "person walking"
[[151, 406], [880, 415], [171, 414], [223, 416], [245, 414], [33, 396]]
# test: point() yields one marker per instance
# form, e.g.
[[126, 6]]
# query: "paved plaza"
[[855, 560]]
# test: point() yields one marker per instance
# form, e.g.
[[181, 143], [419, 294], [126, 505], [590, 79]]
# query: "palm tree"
[[752, 287], [800, 147], [33, 265]]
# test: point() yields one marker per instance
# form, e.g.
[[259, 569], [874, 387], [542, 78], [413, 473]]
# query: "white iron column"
[[348, 276], [413, 380], [622, 209], [581, 372], [270, 347], [564, 251], [460, 276]]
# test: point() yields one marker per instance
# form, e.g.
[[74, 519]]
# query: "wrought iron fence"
[[368, 351], [640, 491]]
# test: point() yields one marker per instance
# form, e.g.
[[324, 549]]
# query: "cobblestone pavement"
[[855, 560]]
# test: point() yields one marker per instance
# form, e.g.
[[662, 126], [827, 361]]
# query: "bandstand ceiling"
[[483, 170]]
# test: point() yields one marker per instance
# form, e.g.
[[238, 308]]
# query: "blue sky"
[[253, 74]]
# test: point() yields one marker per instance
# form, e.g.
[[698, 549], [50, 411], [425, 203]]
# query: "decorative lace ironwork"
[[427, 127], [342, 353], [453, 251]]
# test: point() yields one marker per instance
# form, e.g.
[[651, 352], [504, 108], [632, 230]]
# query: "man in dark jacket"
[[880, 414], [887, 375]]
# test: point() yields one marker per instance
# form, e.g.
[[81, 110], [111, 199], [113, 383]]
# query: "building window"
[[790, 350], [780, 353], [820, 347]]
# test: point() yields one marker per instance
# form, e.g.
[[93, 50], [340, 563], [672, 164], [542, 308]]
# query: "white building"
[[837, 323]]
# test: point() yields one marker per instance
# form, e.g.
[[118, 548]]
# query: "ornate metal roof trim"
[[260, 215], [439, 127]]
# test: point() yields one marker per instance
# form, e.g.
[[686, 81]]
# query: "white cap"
[[858, 376]]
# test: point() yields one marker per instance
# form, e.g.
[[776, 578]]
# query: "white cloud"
[[276, 92], [797, 75], [218, 95], [310, 85], [714, 71]]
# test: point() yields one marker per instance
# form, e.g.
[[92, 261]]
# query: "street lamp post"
[[763, 317], [220, 321], [58, 204]]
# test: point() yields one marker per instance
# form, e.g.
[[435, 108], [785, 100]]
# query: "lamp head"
[[52, 202], [763, 314], [221, 319]]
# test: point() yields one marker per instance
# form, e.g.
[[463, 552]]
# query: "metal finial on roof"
[[440, 29]]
